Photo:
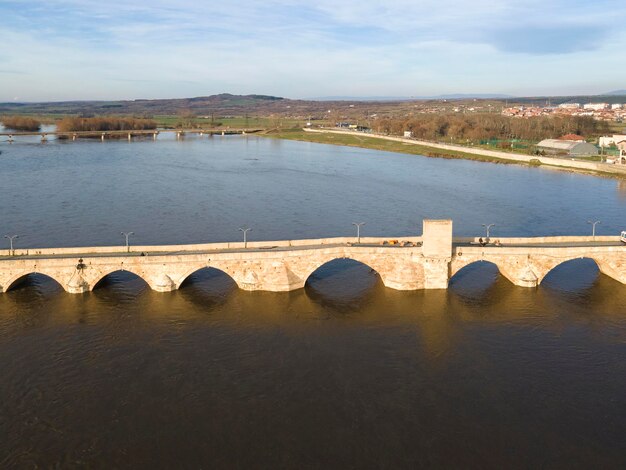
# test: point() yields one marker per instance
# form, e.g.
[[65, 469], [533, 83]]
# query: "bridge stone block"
[[249, 280], [163, 283], [404, 274], [77, 284], [437, 252], [437, 239], [436, 273]]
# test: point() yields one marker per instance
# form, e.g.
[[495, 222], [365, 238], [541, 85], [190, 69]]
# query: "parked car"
[[623, 237]]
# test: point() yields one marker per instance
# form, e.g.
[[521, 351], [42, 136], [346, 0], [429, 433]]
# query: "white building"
[[607, 141], [597, 106], [621, 158], [569, 106], [617, 106]]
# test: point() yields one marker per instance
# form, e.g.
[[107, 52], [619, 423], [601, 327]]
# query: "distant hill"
[[453, 96], [224, 103], [467, 96], [362, 98], [615, 93]]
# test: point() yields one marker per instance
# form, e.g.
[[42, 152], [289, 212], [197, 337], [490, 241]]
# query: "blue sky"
[[93, 49]]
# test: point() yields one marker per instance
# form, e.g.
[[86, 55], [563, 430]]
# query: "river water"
[[342, 374]]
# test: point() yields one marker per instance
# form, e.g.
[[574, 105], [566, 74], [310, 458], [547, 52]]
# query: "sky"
[[54, 50]]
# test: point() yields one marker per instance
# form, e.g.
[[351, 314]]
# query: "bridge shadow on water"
[[340, 288], [209, 286], [36, 284], [573, 286], [124, 285], [573, 276], [344, 285], [580, 283]]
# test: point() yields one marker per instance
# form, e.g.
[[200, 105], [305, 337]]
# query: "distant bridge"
[[129, 134], [426, 262]]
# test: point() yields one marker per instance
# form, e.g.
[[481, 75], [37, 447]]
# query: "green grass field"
[[378, 144], [363, 141]]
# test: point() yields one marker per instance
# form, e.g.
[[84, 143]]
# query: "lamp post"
[[245, 231], [11, 238], [488, 227], [358, 230], [126, 235], [593, 228]]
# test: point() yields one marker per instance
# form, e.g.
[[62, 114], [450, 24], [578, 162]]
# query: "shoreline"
[[436, 150]]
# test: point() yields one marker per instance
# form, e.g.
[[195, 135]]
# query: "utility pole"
[[11, 238], [127, 235], [593, 228], [358, 226], [488, 227], [245, 230]]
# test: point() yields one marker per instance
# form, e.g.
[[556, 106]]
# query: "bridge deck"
[[459, 245], [137, 132]]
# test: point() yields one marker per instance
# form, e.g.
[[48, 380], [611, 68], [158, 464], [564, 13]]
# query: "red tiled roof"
[[572, 137]]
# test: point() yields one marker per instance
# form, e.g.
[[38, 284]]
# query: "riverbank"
[[436, 150]]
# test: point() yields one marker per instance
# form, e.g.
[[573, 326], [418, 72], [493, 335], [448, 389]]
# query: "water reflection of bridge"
[[128, 134], [426, 262]]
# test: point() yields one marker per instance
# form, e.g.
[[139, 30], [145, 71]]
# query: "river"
[[342, 374]]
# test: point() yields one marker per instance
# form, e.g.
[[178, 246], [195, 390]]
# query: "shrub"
[[21, 123], [70, 124]]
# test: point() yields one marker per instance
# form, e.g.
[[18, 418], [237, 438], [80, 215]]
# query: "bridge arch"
[[459, 265], [396, 272], [327, 261], [16, 279], [482, 265], [343, 283], [565, 264], [321, 262], [97, 280], [197, 269]]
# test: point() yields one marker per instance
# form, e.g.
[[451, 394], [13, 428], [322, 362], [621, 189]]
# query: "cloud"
[[160, 48]]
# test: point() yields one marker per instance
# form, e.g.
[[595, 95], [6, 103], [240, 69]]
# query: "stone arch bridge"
[[426, 262]]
